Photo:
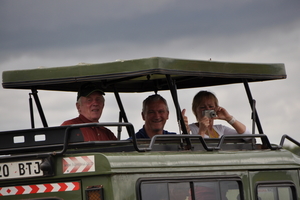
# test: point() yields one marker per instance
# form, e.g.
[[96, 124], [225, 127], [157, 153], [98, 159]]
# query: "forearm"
[[237, 125], [202, 132]]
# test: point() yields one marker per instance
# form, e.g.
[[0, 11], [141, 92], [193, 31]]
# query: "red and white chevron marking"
[[40, 188], [78, 164]]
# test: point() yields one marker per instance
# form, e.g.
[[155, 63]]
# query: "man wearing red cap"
[[90, 104]]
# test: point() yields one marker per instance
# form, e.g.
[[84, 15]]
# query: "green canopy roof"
[[141, 75]]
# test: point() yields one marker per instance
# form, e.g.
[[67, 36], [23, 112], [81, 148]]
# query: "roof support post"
[[31, 111], [173, 90], [39, 107], [122, 113], [252, 105]]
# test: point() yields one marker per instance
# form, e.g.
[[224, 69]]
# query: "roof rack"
[[290, 139], [49, 141], [59, 140], [212, 144]]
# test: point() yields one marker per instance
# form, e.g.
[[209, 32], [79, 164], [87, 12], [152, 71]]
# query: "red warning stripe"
[[20, 190], [35, 189], [40, 188], [78, 164]]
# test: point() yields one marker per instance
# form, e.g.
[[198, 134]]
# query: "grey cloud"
[[70, 23]]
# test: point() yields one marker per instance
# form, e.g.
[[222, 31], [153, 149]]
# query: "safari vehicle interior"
[[140, 75]]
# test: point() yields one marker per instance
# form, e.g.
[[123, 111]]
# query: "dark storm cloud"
[[45, 24]]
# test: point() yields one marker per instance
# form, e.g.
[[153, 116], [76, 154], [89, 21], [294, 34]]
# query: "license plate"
[[21, 169]]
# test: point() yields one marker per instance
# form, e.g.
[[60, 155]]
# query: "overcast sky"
[[55, 33]]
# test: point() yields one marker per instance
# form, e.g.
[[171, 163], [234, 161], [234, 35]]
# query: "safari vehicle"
[[55, 163]]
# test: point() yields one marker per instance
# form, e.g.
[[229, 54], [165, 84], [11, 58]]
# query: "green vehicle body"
[[174, 167]]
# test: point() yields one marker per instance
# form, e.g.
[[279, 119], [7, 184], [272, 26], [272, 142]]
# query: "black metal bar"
[[254, 111], [253, 121], [31, 111], [264, 139], [66, 140], [171, 136], [253, 116], [119, 129], [290, 139], [173, 90], [192, 186], [39, 107], [135, 145], [122, 110], [187, 137], [76, 126]]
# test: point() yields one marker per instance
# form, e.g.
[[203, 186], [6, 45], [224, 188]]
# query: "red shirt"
[[99, 133]]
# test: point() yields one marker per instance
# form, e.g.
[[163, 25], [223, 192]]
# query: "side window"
[[276, 192], [191, 190], [179, 191], [158, 191], [206, 190], [165, 191], [221, 190], [230, 190]]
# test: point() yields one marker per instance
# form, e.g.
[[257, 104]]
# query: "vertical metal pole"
[[255, 115], [180, 120], [172, 87], [122, 112], [119, 127], [31, 111]]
